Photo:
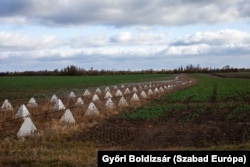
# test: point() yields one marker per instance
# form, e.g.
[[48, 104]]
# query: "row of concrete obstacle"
[[6, 106], [147, 90]]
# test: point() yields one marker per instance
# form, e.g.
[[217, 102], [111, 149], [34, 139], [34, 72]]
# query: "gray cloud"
[[124, 12], [125, 50], [10, 41], [244, 8], [13, 7], [219, 38]]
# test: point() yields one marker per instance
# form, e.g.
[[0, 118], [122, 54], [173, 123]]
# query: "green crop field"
[[212, 94], [234, 74], [24, 87], [213, 114]]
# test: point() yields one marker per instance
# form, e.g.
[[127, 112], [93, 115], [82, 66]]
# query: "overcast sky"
[[123, 34]]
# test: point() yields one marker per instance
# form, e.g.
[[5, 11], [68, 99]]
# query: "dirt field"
[[168, 132]]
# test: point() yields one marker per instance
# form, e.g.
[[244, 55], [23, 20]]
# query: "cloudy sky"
[[123, 34]]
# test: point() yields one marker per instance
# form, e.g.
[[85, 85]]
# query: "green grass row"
[[213, 89], [20, 87]]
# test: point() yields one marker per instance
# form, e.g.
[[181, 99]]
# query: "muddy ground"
[[168, 132]]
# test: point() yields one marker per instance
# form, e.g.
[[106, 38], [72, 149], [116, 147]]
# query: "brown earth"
[[168, 132]]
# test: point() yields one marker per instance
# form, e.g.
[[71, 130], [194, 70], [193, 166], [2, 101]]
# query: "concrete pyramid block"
[[98, 91], [134, 90], [127, 91], [86, 93], [118, 93], [108, 95], [150, 92], [32, 102], [79, 101], [107, 89], [135, 97], [95, 98], [27, 128], [143, 95], [110, 104], [91, 110], [161, 90], [6, 106], [22, 112], [156, 91], [59, 105], [123, 102], [53, 99], [68, 117], [72, 94]]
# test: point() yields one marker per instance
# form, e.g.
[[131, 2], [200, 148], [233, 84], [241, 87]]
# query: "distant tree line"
[[198, 69], [77, 71]]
